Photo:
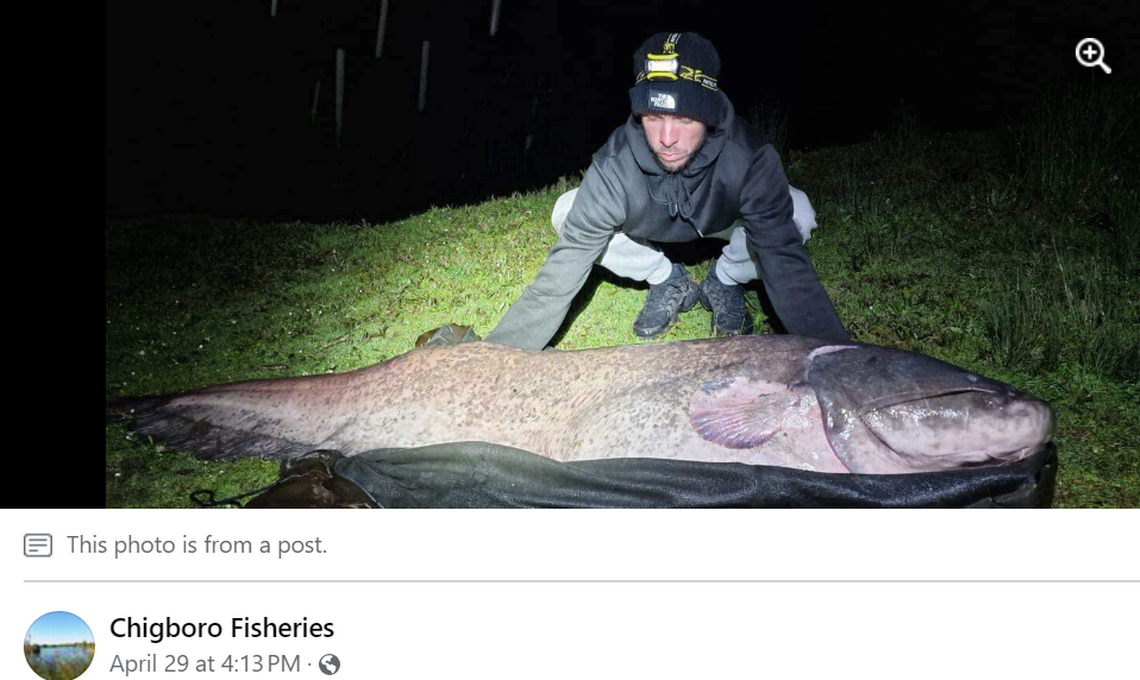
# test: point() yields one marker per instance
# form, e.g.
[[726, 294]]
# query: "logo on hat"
[[663, 100]]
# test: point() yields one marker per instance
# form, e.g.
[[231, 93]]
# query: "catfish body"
[[773, 400]]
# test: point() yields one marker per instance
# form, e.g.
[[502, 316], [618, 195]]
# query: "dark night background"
[[208, 104]]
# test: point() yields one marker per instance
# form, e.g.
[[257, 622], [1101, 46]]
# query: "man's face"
[[674, 140]]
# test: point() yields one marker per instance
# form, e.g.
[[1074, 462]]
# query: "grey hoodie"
[[734, 176]]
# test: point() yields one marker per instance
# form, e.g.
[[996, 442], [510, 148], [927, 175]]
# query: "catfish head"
[[885, 409]]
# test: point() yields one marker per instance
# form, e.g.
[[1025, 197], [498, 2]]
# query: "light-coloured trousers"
[[640, 260]]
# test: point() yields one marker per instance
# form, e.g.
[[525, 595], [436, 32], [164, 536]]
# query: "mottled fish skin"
[[629, 401]]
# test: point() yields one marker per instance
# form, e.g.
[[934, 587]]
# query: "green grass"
[[948, 244], [1078, 147]]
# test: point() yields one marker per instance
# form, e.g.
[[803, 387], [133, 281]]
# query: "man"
[[682, 167]]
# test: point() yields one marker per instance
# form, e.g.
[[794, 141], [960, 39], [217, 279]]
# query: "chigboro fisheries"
[[240, 627]]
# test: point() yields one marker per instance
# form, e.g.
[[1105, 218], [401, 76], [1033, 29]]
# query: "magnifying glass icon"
[[1090, 52]]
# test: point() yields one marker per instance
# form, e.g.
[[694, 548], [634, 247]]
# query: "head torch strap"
[[683, 73]]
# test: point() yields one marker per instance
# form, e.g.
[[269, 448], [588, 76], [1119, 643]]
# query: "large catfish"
[[772, 400]]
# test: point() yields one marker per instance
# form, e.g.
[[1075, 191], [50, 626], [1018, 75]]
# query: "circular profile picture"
[[59, 646]]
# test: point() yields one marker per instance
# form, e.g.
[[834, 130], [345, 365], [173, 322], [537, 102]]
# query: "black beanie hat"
[[677, 73]]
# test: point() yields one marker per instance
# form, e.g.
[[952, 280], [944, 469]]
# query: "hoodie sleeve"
[[798, 297], [599, 209]]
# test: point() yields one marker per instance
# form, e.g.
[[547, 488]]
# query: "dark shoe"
[[730, 316], [674, 295]]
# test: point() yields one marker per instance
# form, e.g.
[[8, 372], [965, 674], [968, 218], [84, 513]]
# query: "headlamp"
[[662, 66]]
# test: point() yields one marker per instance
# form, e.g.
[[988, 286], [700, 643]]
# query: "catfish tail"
[[198, 434], [123, 408]]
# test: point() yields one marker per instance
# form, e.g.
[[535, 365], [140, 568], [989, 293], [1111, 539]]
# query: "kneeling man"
[[682, 167]]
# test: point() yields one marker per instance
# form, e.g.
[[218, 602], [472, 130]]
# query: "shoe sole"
[[747, 330], [655, 333]]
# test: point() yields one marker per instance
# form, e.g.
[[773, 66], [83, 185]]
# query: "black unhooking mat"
[[482, 475]]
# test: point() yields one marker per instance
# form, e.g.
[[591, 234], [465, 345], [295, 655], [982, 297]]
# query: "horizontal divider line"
[[582, 581]]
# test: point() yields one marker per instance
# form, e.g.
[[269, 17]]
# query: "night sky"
[[209, 103]]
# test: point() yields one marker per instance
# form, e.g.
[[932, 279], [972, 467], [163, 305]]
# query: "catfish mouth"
[[915, 396], [961, 428]]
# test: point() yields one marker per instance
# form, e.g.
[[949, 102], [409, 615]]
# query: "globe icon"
[[329, 664]]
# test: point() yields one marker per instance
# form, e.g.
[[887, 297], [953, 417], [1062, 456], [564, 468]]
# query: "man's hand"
[[451, 334]]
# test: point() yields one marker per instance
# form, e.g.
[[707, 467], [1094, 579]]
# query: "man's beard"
[[688, 162]]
